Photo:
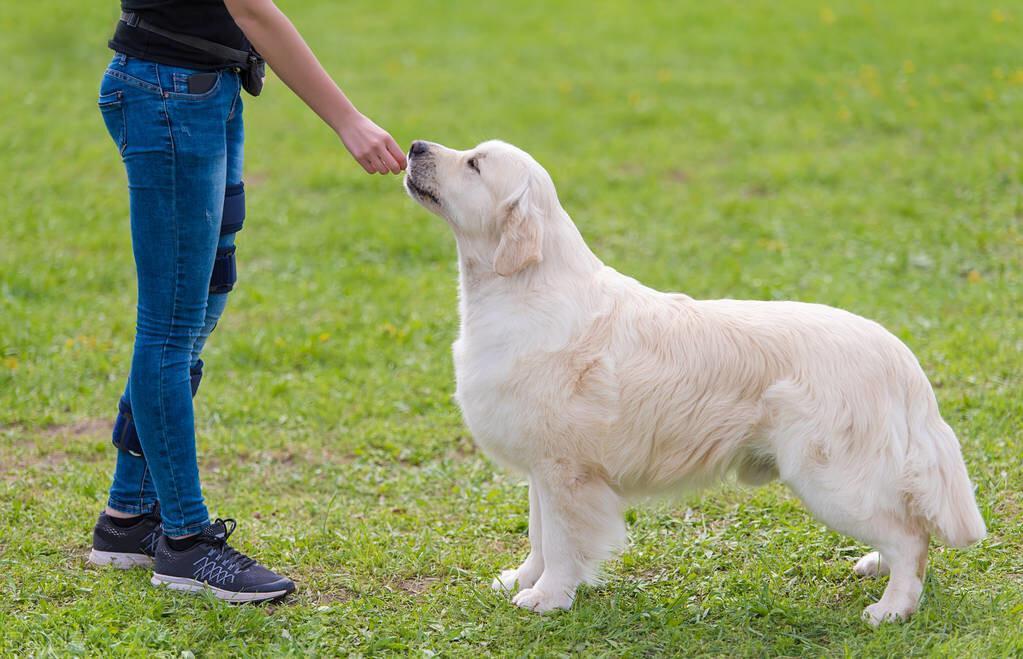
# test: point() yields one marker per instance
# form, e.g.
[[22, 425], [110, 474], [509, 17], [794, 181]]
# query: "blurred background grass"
[[859, 154]]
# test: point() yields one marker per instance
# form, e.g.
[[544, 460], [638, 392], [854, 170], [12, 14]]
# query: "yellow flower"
[[999, 16], [868, 77], [908, 66], [827, 16], [324, 337], [974, 277], [11, 363]]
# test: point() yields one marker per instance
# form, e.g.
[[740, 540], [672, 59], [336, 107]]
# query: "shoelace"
[[230, 557]]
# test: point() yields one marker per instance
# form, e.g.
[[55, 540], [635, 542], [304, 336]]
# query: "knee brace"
[[234, 209], [125, 436], [195, 376], [225, 271]]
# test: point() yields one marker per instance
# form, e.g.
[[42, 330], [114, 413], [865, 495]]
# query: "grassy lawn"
[[865, 155]]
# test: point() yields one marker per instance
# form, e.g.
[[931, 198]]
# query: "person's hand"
[[372, 146]]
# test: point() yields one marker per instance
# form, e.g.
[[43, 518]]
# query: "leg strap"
[[195, 373], [126, 437], [225, 273], [234, 209]]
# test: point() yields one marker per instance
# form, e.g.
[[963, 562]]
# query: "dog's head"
[[495, 196]]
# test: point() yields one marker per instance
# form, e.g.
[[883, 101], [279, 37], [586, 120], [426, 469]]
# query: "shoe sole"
[[119, 560], [187, 585]]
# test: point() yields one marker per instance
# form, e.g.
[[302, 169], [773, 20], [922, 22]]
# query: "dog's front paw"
[[878, 613], [540, 601]]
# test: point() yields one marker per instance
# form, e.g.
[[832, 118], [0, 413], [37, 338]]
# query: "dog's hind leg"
[[906, 554], [581, 526], [900, 538], [526, 574], [871, 565]]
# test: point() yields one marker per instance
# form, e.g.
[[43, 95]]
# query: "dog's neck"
[[566, 259], [563, 278]]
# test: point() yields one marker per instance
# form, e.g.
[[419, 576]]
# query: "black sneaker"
[[125, 547], [211, 563]]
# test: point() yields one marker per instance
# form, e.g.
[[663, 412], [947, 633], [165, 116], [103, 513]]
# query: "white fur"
[[601, 389]]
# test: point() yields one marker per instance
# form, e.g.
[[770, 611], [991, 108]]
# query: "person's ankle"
[[181, 543], [118, 514]]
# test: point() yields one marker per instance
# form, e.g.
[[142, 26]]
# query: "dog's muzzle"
[[418, 191], [420, 168]]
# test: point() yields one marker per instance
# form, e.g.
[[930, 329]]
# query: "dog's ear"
[[521, 234]]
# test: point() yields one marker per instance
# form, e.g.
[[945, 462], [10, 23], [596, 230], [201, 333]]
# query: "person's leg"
[[132, 492], [175, 156]]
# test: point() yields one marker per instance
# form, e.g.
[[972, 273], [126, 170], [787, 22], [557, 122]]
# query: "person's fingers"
[[389, 161], [372, 163], [396, 152], [379, 166], [366, 164]]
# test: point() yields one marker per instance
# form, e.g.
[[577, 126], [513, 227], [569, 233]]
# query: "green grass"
[[865, 155]]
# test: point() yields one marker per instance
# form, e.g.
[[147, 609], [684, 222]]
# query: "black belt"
[[249, 61], [232, 56]]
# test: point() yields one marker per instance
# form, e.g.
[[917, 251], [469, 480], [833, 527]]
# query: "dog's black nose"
[[419, 147]]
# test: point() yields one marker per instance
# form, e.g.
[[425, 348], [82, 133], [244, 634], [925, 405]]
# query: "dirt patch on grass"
[[49, 448], [677, 176], [80, 428], [279, 458], [416, 585], [337, 595]]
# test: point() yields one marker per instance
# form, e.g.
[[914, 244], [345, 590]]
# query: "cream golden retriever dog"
[[601, 389]]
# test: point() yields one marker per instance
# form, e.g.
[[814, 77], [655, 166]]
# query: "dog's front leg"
[[526, 574], [581, 525]]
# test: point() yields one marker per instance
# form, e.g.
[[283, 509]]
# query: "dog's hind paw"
[[506, 582], [871, 565], [537, 600], [524, 576]]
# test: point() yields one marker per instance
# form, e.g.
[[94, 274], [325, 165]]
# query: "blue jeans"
[[180, 151]]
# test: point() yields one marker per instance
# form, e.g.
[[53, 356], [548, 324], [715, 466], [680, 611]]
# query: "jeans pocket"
[[111, 106], [180, 81]]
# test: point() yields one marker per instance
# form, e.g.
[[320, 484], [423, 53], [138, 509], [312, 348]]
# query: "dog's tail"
[[943, 492]]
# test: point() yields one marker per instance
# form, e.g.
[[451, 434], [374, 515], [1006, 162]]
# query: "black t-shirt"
[[207, 19]]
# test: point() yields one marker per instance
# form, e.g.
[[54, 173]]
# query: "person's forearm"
[[280, 44], [286, 52]]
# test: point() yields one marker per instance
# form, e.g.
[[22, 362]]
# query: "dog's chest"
[[497, 405]]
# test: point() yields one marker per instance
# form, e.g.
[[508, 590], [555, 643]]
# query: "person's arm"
[[286, 52]]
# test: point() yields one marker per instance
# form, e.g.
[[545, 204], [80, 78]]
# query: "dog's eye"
[[474, 164]]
